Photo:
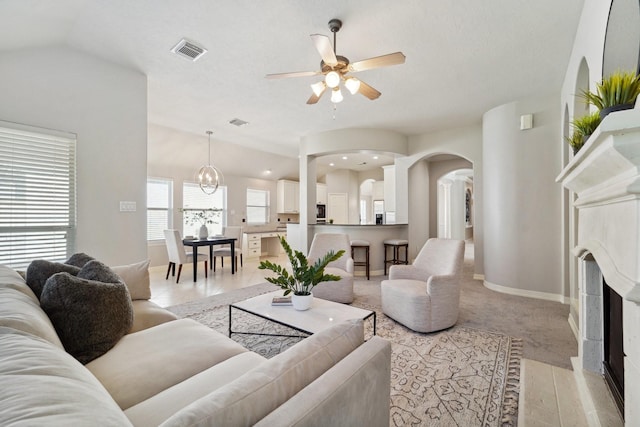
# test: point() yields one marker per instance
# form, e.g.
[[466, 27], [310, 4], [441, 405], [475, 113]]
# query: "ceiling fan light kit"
[[335, 68]]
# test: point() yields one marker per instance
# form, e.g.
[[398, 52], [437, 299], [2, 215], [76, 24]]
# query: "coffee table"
[[320, 316]]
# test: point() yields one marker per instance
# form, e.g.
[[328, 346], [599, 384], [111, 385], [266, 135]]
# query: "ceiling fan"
[[335, 69]]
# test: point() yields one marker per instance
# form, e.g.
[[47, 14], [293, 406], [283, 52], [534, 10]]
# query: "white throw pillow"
[[136, 277]]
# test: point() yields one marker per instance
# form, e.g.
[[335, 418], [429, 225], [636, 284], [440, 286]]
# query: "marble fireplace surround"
[[605, 176]]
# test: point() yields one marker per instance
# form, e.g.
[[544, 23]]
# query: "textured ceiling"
[[463, 57]]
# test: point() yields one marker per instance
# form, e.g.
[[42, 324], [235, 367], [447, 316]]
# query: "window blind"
[[37, 195], [159, 197], [257, 206], [194, 199]]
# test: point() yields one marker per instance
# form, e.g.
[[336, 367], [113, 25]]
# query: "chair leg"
[[179, 271], [222, 261], [169, 270], [240, 261], [214, 263]]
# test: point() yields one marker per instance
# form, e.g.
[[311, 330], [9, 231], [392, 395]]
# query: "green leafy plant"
[[620, 88], [582, 129], [201, 216], [304, 276]]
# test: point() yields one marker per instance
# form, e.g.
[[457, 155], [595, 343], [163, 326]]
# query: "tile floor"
[[549, 395]]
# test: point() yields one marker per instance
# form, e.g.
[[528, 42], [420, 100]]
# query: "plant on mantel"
[[303, 276], [582, 130], [614, 93]]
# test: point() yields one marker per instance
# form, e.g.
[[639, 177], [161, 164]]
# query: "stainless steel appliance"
[[321, 213]]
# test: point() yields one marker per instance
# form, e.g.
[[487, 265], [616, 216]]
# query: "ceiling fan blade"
[[368, 91], [323, 45], [294, 74], [315, 98], [378, 61]]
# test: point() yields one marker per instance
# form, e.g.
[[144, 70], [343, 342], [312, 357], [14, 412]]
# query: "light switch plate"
[[127, 206]]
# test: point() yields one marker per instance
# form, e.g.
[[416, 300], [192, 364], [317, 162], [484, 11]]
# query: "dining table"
[[211, 242]]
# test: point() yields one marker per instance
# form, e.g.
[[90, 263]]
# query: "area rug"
[[457, 377]]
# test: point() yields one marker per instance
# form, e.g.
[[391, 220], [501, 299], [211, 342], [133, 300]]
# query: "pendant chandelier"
[[209, 177]]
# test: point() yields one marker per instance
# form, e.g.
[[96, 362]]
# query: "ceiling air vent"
[[188, 50], [238, 122]]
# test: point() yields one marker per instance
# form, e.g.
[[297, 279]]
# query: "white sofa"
[[178, 372], [425, 296]]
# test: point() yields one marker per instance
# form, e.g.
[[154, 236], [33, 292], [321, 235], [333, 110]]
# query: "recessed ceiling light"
[[375, 157], [267, 172], [344, 157], [332, 164]]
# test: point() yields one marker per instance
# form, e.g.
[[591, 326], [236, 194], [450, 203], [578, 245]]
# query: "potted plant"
[[614, 93], [303, 276], [582, 130], [202, 217]]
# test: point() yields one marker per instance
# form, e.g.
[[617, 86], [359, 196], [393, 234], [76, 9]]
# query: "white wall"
[[522, 201], [105, 105]]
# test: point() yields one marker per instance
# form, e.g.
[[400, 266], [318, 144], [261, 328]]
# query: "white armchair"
[[425, 296], [342, 290]]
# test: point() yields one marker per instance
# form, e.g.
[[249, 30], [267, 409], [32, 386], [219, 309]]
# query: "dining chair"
[[231, 232], [178, 254]]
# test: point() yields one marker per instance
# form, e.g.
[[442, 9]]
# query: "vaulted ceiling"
[[463, 57]]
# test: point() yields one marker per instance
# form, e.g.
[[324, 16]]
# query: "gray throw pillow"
[[79, 259], [40, 270], [90, 312]]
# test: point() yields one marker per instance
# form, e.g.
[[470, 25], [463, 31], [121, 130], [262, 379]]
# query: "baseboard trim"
[[574, 328], [526, 293], [478, 277]]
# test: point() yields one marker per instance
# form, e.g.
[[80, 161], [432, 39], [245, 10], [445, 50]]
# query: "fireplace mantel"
[[605, 175]]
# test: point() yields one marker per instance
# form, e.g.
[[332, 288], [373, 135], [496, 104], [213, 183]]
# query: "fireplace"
[[605, 177], [613, 363]]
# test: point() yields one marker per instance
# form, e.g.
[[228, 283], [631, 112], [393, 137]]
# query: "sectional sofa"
[[178, 372]]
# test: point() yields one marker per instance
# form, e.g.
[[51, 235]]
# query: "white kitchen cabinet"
[[288, 196], [321, 194], [378, 190]]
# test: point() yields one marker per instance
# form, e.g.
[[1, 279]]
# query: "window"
[[257, 206], [159, 197], [37, 194], [194, 200]]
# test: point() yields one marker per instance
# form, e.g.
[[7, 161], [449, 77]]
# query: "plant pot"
[[605, 111], [203, 232], [302, 302]]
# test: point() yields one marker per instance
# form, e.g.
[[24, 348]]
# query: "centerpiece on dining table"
[[303, 276]]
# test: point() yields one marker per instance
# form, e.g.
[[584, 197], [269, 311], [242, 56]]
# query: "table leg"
[[195, 263], [210, 257]]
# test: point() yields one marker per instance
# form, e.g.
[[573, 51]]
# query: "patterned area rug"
[[457, 377]]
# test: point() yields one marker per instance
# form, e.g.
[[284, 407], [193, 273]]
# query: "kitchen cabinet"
[[321, 194], [288, 196], [255, 245]]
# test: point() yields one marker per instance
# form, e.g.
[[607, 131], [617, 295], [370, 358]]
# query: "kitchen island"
[[373, 233]]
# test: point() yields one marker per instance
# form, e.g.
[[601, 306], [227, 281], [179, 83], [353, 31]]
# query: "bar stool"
[[361, 244], [396, 244]]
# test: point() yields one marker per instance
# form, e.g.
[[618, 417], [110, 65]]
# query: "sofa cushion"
[[136, 277], [90, 316], [155, 410], [261, 390], [144, 363], [40, 270], [43, 385], [79, 259], [147, 314]]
